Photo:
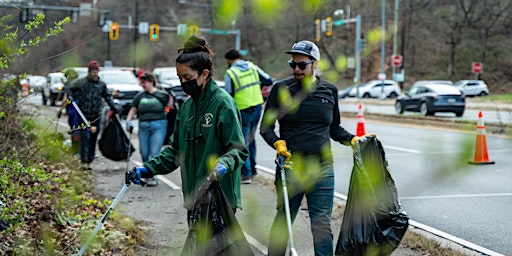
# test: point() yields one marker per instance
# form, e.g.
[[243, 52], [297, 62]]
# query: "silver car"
[[375, 88], [472, 87]]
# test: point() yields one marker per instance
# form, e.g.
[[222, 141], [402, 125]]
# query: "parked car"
[[373, 89], [343, 93], [472, 87], [54, 88], [36, 83], [430, 98], [123, 84]]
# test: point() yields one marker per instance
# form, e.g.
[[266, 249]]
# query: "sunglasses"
[[301, 65]]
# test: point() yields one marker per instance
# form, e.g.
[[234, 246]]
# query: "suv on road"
[[123, 84], [373, 89], [472, 87], [54, 89], [167, 79]]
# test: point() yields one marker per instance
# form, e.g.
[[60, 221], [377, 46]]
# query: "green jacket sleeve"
[[229, 130]]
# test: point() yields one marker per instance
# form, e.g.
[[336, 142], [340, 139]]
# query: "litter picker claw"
[[280, 161], [129, 176]]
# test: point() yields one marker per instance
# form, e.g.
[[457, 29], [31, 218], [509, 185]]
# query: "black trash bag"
[[214, 229], [374, 221], [114, 143]]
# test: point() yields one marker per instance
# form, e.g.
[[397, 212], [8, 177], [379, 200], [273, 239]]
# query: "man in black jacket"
[[306, 108], [88, 93]]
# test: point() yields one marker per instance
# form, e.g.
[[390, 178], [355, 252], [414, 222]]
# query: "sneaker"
[[246, 180], [85, 166], [151, 182], [254, 172]]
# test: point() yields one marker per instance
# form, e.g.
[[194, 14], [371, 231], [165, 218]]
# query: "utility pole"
[[135, 36], [357, 78], [382, 75], [395, 31]]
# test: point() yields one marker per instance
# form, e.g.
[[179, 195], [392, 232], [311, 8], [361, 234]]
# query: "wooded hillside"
[[438, 39]]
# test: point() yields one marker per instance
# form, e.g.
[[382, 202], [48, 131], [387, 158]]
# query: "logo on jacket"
[[208, 118]]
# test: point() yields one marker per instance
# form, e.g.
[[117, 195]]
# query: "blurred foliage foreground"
[[46, 206]]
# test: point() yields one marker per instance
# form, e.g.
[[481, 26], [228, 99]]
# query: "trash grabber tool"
[[57, 124], [129, 176], [87, 123], [129, 148], [280, 162]]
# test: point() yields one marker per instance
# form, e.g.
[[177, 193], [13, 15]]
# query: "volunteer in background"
[[88, 93], [150, 107], [73, 118], [243, 81]]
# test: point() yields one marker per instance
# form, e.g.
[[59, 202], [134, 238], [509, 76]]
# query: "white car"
[[373, 89], [472, 87], [166, 77], [122, 84], [54, 89]]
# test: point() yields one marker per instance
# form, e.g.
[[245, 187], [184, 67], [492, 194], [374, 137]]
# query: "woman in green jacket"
[[207, 135]]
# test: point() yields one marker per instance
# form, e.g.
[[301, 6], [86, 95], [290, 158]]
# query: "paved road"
[[469, 202], [496, 113], [436, 185]]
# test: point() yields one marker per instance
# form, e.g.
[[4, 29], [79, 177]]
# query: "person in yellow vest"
[[243, 81]]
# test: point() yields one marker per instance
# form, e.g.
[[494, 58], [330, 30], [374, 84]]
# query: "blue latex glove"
[[220, 170], [141, 172]]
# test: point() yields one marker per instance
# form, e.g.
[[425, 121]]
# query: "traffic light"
[[193, 30], [318, 30], [154, 32], [114, 31], [328, 31]]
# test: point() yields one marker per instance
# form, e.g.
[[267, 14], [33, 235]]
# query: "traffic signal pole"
[[358, 43]]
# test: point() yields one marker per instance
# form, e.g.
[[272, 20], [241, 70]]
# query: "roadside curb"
[[444, 123]]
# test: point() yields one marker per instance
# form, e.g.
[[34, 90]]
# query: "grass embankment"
[[495, 98], [48, 205]]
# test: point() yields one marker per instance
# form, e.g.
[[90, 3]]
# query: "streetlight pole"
[[382, 48], [395, 39]]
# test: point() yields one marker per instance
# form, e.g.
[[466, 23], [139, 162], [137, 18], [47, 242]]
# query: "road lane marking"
[[455, 196], [403, 149], [161, 178], [256, 244], [454, 239], [424, 227]]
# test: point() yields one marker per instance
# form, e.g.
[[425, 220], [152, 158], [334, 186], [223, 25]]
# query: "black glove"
[[129, 126], [59, 113]]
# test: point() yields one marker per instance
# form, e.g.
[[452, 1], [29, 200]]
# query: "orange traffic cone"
[[360, 131], [24, 93], [481, 155]]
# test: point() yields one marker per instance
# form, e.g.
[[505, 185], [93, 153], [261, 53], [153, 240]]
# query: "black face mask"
[[191, 88]]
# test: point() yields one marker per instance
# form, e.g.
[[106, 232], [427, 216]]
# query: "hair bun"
[[195, 43]]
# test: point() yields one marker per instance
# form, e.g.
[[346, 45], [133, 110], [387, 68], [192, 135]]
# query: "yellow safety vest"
[[246, 86]]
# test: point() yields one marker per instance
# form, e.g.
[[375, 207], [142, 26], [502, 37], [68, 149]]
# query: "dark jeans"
[[73, 122], [250, 120], [89, 142], [319, 192]]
